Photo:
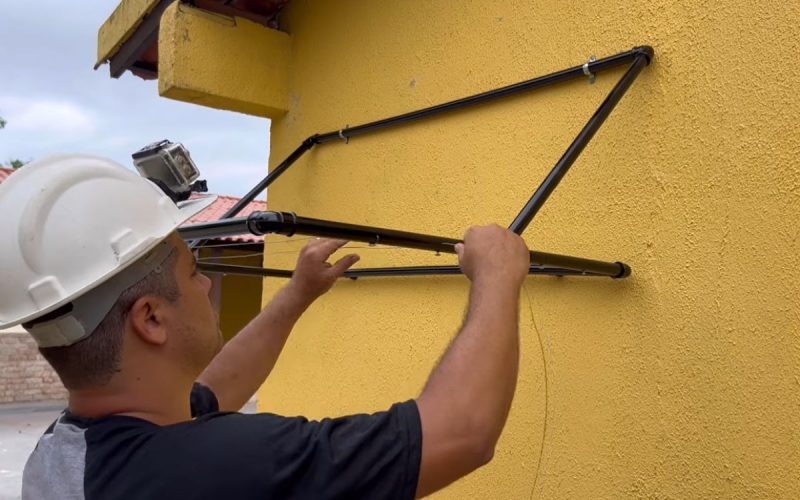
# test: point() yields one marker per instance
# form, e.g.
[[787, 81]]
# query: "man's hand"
[[314, 275], [247, 359], [493, 254]]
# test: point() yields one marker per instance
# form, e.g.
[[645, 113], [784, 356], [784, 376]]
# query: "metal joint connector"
[[646, 51], [343, 137], [587, 72]]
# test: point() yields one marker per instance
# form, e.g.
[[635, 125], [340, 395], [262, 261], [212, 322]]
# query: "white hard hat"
[[69, 224]]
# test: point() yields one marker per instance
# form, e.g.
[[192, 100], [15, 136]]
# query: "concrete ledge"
[[223, 62], [119, 26]]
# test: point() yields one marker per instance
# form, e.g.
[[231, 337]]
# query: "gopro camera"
[[169, 165]]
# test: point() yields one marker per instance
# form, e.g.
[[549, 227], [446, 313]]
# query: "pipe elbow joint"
[[645, 50]]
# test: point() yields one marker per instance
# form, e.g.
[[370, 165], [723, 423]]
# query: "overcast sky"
[[54, 102]]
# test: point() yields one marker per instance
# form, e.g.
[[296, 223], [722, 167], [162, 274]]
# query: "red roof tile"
[[220, 206], [5, 172]]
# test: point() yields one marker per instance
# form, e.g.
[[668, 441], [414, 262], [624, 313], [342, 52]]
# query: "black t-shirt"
[[229, 455]]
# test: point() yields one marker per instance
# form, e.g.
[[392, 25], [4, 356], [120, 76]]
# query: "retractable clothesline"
[[288, 223]]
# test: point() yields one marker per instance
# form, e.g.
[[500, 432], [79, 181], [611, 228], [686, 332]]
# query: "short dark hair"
[[94, 360]]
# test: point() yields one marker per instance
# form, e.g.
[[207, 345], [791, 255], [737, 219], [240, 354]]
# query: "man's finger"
[[325, 247], [459, 248], [344, 264]]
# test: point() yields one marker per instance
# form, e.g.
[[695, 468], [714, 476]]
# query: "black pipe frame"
[[368, 272], [288, 223]]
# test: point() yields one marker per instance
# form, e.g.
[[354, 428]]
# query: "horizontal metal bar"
[[289, 224], [375, 272], [574, 150], [452, 270], [214, 268], [215, 229]]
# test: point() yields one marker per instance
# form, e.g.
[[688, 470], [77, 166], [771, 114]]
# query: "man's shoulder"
[[56, 466], [261, 454]]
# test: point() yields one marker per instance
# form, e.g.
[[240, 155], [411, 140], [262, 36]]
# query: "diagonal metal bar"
[[550, 182]]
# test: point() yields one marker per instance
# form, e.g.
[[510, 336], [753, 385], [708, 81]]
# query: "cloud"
[[64, 106], [48, 116]]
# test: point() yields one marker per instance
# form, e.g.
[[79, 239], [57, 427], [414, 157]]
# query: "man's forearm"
[[468, 396], [237, 372], [478, 373]]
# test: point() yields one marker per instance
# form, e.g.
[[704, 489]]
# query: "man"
[[92, 267]]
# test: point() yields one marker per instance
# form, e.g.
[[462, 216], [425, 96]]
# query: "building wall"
[[241, 295], [24, 374], [679, 382], [237, 299]]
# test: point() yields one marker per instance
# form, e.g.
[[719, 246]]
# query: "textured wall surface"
[[24, 374], [240, 297], [680, 382], [222, 62]]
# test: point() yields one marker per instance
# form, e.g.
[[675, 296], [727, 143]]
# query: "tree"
[[14, 163]]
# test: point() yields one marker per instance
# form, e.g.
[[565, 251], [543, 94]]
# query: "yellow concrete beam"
[[120, 25], [223, 62]]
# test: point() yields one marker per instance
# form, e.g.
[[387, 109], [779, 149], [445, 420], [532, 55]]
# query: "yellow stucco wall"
[[680, 382], [241, 296], [237, 299], [250, 62]]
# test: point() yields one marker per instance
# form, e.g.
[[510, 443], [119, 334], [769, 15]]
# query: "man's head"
[[89, 259], [168, 310]]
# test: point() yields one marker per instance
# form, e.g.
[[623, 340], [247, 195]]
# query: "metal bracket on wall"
[[259, 223]]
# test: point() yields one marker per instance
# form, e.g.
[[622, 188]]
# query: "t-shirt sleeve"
[[269, 456], [202, 400]]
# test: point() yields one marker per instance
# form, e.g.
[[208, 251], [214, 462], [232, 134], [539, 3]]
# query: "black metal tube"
[[344, 134], [270, 178], [263, 184], [289, 224], [448, 270], [210, 267], [216, 229], [375, 272], [641, 59], [542, 81]]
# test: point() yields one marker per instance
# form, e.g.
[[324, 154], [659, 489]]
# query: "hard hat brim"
[[188, 209]]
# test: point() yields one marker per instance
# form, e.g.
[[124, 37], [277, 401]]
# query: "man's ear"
[[146, 319]]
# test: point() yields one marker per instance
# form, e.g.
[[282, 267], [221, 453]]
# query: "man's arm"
[[237, 372], [464, 405]]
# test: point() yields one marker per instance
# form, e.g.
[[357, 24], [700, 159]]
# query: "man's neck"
[[162, 404]]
